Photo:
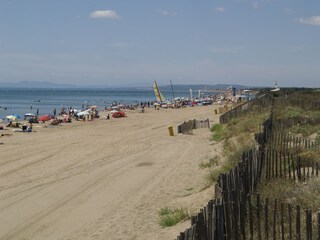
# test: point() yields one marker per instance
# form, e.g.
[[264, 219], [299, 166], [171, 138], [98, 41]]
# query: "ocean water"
[[20, 101]]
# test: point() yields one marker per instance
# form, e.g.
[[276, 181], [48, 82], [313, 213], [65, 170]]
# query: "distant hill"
[[202, 86]]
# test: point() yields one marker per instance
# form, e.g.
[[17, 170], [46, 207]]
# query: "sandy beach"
[[104, 179]]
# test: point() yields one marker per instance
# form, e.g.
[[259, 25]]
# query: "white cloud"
[[104, 14], [166, 12], [315, 20], [220, 9]]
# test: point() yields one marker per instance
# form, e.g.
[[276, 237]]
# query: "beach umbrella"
[[44, 118], [83, 113], [11, 117], [29, 115], [118, 114]]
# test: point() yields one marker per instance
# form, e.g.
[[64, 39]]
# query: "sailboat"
[[159, 97], [276, 88], [191, 94]]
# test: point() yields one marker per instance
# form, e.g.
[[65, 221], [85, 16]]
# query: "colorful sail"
[[159, 96]]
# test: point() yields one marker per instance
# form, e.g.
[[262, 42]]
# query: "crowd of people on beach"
[[116, 110]]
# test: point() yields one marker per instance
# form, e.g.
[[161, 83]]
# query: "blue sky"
[[128, 43]]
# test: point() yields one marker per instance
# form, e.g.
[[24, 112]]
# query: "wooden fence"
[[235, 213], [187, 127], [255, 219]]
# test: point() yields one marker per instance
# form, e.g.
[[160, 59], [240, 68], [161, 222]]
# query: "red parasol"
[[118, 114], [44, 118]]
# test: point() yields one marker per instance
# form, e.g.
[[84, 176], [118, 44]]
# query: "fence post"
[[282, 221], [290, 221], [275, 219], [318, 226], [266, 223], [259, 216], [308, 224], [250, 218], [298, 233]]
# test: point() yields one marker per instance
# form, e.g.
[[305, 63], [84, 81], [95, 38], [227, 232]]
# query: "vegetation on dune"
[[306, 193], [286, 130], [237, 135], [171, 216], [217, 132]]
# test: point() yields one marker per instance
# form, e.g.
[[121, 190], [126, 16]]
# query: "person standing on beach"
[[54, 112], [37, 112]]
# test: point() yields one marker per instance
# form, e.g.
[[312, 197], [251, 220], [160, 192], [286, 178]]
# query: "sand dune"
[[104, 179]]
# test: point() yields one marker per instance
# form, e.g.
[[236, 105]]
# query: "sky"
[[136, 42]]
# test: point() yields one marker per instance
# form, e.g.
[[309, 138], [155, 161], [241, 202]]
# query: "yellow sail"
[[158, 94]]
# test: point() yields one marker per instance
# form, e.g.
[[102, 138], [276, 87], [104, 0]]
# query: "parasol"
[[11, 117], [29, 115], [83, 113], [118, 114], [44, 118]]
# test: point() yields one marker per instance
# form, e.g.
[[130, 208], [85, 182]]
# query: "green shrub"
[[217, 130], [170, 217], [293, 112]]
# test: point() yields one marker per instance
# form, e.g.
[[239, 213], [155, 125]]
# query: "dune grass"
[[217, 132], [171, 216]]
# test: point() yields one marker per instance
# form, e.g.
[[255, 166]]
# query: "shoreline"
[[105, 178]]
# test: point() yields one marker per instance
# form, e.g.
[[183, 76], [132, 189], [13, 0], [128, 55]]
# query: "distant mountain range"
[[181, 87], [202, 86]]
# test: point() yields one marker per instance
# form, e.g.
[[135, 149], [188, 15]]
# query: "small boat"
[[276, 88]]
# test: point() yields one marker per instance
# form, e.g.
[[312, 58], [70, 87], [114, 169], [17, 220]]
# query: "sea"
[[20, 101]]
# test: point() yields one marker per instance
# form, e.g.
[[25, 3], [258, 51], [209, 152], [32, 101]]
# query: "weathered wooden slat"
[[298, 229], [290, 221], [266, 219], [282, 221], [275, 219]]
